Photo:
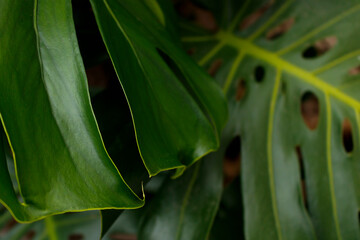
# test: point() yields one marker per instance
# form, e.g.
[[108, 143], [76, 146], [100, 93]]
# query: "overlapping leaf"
[[277, 57], [61, 162], [177, 120]]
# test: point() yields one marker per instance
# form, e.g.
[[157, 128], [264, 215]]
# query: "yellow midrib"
[[248, 48]]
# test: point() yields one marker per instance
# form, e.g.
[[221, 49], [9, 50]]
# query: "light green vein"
[[336, 62], [198, 38], [232, 71], [273, 59], [186, 199], [238, 16], [50, 228], [319, 29], [269, 151], [211, 54], [270, 21], [329, 164]]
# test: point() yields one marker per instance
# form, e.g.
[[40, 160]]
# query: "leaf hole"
[[199, 15], [191, 51], [29, 235], [302, 175], [8, 226], [281, 29], [232, 160], [255, 16], [240, 89], [76, 236], [259, 74], [354, 71], [214, 67], [320, 47], [310, 110], [347, 137]]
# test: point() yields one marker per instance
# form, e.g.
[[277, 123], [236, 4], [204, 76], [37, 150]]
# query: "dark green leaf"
[[177, 121], [185, 208], [61, 162]]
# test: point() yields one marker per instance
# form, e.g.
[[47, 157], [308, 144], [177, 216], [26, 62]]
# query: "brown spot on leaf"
[[310, 110], [354, 71], [280, 29], [240, 89], [29, 235], [191, 51], [232, 160], [320, 47], [214, 67], [253, 17], [119, 236], [76, 236], [8, 226], [347, 136], [199, 16]]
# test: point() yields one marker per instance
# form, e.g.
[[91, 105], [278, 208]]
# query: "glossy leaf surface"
[[290, 73], [61, 162], [185, 208], [176, 119]]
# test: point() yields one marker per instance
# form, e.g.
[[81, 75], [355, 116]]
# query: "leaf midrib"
[[246, 47]]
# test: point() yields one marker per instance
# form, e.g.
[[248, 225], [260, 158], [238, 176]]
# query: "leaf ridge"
[[269, 150], [329, 164], [232, 71], [336, 62], [186, 199], [319, 29], [270, 21], [238, 16], [50, 228]]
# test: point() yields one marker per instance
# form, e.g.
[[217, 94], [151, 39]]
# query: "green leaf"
[[67, 226], [185, 208], [59, 155], [176, 120], [277, 57]]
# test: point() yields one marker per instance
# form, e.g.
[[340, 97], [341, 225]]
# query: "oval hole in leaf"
[[347, 136], [76, 236], [255, 16], [232, 160], [302, 175], [280, 30], [29, 235], [354, 71], [259, 73], [310, 110], [191, 51], [240, 89], [199, 15], [215, 66], [320, 47]]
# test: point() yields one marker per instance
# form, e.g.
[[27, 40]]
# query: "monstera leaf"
[[61, 163], [290, 71], [47, 118], [170, 134]]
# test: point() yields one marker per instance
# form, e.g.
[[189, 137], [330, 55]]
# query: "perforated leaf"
[[290, 70]]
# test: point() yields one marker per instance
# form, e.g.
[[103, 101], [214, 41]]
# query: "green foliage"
[[289, 71]]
